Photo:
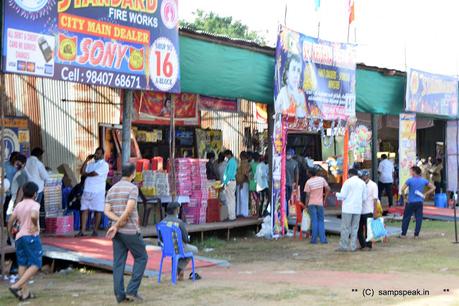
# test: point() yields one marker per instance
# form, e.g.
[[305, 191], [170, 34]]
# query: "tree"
[[215, 24]]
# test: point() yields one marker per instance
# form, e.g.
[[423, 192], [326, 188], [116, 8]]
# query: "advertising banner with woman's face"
[[314, 78]]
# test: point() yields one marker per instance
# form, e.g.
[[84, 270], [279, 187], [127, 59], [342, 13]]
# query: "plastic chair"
[[172, 246]]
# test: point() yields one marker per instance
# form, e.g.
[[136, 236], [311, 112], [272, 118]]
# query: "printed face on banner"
[[155, 108], [314, 78], [123, 43]]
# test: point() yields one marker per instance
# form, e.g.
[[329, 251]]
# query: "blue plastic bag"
[[378, 229]]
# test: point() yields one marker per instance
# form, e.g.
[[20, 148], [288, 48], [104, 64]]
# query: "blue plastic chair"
[[172, 246]]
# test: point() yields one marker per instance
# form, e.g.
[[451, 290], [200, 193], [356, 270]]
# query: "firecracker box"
[[59, 225]]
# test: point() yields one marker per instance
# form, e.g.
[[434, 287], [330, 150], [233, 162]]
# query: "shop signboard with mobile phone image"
[[124, 43]]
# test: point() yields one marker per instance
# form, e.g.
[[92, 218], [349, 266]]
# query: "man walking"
[[353, 194], [369, 207], [386, 178], [229, 181], [415, 185], [93, 198], [28, 245], [121, 208]]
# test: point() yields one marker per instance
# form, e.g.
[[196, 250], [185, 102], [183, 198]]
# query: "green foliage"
[[215, 24]]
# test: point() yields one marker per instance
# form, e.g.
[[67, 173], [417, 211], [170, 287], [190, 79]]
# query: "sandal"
[[28, 297], [15, 292], [196, 276]]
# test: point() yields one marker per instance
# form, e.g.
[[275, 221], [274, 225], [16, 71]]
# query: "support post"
[[374, 147], [2, 173], [173, 187], [127, 124]]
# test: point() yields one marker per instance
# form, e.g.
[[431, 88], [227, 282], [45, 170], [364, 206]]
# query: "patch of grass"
[[283, 295], [211, 243]]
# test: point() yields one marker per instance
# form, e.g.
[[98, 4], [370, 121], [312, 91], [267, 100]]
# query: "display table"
[[150, 203]]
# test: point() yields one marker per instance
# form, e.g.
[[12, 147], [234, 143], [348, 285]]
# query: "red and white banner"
[[155, 108]]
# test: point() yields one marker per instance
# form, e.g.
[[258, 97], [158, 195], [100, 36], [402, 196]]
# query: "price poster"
[[129, 44]]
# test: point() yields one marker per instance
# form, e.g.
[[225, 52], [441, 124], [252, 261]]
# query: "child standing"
[[28, 245]]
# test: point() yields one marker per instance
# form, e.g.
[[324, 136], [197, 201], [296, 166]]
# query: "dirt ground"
[[286, 272]]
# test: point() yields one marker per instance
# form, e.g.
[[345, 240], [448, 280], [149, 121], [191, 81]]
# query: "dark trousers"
[[387, 187], [411, 208], [123, 243], [362, 233], [264, 201], [438, 187], [288, 196]]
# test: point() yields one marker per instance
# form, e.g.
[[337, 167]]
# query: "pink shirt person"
[[315, 188], [23, 212]]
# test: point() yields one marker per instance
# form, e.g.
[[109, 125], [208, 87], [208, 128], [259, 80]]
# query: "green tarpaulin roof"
[[225, 70]]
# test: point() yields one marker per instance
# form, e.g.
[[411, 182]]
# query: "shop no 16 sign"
[[116, 43]]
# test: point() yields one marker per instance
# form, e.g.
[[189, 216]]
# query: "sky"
[[397, 34]]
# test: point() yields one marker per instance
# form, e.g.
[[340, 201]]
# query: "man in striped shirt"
[[317, 191], [121, 208]]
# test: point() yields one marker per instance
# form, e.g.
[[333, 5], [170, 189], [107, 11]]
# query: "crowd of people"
[[245, 192], [245, 184]]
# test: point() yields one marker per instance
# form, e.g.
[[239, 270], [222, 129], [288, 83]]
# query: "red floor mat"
[[427, 211], [101, 248]]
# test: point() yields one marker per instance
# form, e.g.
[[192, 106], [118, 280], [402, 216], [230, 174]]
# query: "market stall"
[[314, 93]]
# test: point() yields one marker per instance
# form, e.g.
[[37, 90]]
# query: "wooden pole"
[[2, 173], [173, 186], [374, 147], [126, 127]]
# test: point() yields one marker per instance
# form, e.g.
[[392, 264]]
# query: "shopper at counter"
[[37, 172], [254, 195], [261, 178], [435, 172], [317, 190], [229, 183], [93, 199], [291, 176], [242, 180], [386, 178], [211, 166]]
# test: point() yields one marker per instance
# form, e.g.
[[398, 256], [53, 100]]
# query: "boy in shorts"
[[28, 245]]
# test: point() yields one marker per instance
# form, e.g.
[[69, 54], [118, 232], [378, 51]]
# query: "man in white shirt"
[[353, 194], [367, 210], [36, 171], [261, 178], [93, 198], [386, 178]]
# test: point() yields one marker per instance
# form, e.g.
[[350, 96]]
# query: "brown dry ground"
[[285, 272]]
